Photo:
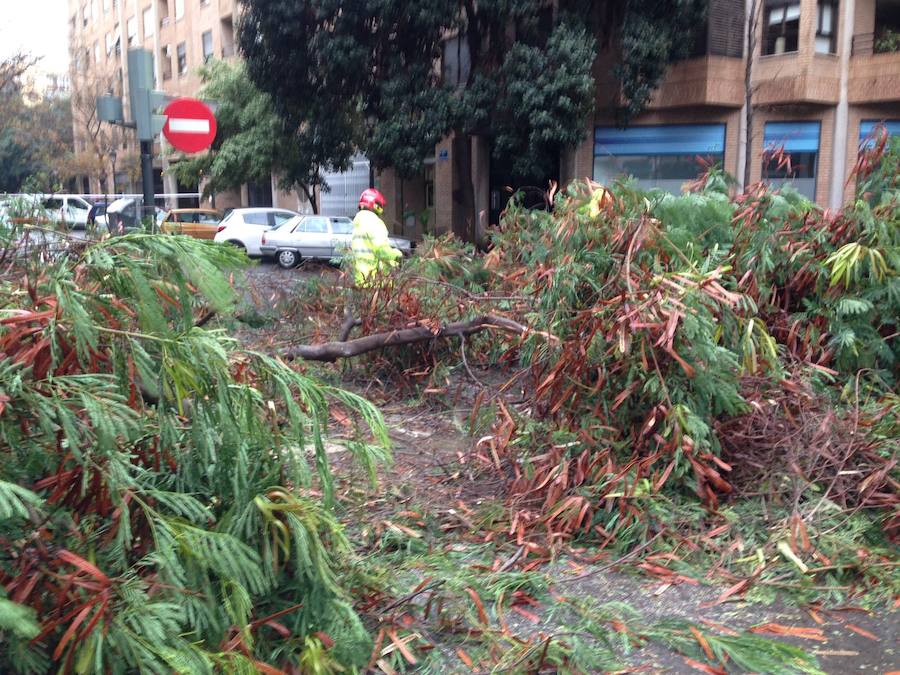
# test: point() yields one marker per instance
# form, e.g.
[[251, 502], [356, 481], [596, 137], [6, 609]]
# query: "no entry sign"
[[191, 125]]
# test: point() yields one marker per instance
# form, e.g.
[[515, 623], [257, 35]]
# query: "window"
[[206, 40], [85, 15], [105, 6], [314, 225], [664, 156], [96, 52], [94, 13], [781, 26], [165, 62], [131, 27], [341, 226], [179, 9], [181, 51], [826, 26], [204, 3], [279, 218], [256, 218], [866, 127], [109, 44], [798, 141], [149, 26]]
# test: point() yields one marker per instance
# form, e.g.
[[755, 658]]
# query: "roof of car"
[[216, 211], [257, 209]]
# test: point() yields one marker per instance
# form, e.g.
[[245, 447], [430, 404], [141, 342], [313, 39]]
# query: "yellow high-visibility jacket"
[[372, 250]]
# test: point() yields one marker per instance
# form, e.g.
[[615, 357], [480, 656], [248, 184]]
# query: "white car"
[[318, 237], [245, 227]]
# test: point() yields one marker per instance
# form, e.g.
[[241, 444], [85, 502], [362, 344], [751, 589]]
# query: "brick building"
[[823, 73], [182, 35]]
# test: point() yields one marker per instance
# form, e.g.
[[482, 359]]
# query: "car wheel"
[[237, 244], [288, 259]]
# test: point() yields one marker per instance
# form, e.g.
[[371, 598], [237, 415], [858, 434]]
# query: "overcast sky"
[[36, 26]]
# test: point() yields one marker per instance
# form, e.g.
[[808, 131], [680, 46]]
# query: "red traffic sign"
[[190, 125]]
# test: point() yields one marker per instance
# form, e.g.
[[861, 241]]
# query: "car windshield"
[[341, 225]]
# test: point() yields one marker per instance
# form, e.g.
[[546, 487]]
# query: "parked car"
[[317, 237], [197, 223], [122, 216], [245, 227]]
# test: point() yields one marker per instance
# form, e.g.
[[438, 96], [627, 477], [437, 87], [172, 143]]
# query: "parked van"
[[69, 209]]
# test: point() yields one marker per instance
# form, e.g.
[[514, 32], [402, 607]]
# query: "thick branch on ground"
[[331, 351]]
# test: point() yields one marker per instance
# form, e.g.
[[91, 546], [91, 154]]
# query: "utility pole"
[[143, 100]]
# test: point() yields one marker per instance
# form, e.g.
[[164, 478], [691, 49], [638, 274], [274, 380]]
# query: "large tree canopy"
[[393, 78]]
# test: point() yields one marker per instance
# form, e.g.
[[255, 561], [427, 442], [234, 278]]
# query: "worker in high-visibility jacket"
[[372, 250]]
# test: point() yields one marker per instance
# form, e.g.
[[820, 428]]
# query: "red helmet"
[[372, 200]]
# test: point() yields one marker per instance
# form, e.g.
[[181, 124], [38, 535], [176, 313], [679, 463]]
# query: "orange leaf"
[[482, 615], [795, 631], [70, 631], [465, 658], [266, 669], [703, 643], [83, 565], [862, 631], [531, 616], [702, 667], [401, 647]]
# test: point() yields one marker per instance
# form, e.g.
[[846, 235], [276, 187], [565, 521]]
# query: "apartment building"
[[182, 35], [823, 74]]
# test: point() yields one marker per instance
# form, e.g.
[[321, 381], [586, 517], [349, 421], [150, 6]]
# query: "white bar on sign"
[[185, 126]]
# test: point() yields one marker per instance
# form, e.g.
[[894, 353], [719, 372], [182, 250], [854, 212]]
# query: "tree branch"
[[331, 351]]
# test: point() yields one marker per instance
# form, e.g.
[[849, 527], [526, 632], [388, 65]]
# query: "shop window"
[[663, 157], [791, 155], [781, 26], [826, 26], [165, 62]]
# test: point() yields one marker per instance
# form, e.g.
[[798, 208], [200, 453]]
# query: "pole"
[[147, 181]]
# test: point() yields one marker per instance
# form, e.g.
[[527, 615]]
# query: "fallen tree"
[[331, 351]]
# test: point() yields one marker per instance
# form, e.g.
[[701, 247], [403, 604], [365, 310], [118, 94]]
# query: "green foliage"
[[252, 143], [141, 526]]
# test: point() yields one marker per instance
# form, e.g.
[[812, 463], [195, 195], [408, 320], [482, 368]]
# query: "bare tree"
[[96, 144]]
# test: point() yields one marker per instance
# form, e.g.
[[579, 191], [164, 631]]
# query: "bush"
[[142, 526]]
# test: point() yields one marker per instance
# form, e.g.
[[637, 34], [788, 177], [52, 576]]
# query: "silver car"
[[316, 237]]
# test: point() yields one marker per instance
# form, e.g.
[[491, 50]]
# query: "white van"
[[69, 209]]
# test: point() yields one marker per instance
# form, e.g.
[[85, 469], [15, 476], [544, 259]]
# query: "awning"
[[793, 136], [670, 139]]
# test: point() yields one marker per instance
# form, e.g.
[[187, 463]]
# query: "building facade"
[[182, 35], [822, 74]]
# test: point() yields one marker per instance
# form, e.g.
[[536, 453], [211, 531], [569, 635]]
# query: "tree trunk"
[[331, 351], [753, 25], [311, 198], [464, 228]]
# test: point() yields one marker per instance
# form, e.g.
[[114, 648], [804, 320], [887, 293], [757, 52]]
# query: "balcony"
[[703, 81], [875, 68], [226, 8]]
